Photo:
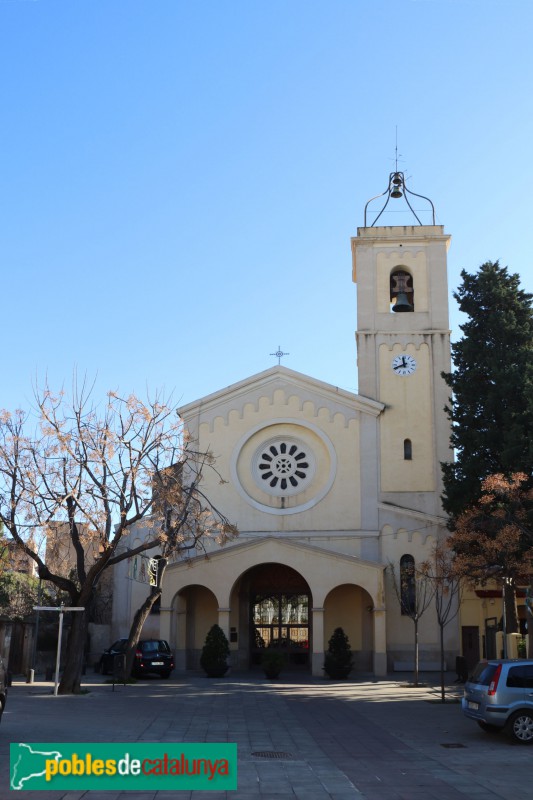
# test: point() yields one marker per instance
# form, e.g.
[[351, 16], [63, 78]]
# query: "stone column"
[[380, 643], [223, 620], [165, 624], [317, 658], [181, 636]]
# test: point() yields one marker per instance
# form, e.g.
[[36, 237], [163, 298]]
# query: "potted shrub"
[[338, 661], [215, 653], [272, 663]]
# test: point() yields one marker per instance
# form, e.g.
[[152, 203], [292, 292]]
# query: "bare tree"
[[97, 472], [447, 584], [415, 591]]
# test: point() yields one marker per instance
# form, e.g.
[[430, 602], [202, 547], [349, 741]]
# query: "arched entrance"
[[350, 607], [196, 610], [278, 602]]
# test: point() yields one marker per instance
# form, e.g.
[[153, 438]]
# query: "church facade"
[[333, 493]]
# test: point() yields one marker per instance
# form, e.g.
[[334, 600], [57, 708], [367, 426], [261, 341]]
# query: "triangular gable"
[[265, 384]]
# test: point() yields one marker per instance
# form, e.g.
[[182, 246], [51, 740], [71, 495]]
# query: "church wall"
[[201, 613], [205, 615], [408, 416], [332, 438], [400, 628], [131, 588]]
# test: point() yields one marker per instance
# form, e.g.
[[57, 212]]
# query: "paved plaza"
[[302, 738]]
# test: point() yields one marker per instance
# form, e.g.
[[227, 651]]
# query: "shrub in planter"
[[215, 653], [338, 661], [272, 663]]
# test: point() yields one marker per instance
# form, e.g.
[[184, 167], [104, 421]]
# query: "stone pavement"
[[301, 737]]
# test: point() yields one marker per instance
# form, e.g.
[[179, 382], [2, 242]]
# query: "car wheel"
[[488, 728], [520, 727], [103, 668], [165, 674]]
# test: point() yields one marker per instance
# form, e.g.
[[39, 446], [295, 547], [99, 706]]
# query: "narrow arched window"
[[407, 450], [407, 585], [402, 294]]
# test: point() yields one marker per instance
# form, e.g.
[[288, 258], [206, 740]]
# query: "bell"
[[396, 192], [402, 303]]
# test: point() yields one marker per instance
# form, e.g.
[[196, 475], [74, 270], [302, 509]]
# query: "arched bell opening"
[[402, 296], [276, 600]]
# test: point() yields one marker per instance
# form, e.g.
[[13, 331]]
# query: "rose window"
[[283, 466]]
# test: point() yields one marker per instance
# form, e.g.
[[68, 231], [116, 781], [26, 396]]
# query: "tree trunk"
[[442, 690], [136, 627], [71, 678], [415, 681], [141, 616]]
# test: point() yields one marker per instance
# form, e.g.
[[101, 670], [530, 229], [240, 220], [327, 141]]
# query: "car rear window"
[[156, 646], [483, 673]]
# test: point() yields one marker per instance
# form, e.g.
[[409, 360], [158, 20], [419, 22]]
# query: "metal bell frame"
[[397, 189]]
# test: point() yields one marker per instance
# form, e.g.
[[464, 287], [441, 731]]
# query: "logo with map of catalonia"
[[124, 766], [28, 764]]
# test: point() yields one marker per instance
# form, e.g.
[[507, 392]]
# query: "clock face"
[[403, 365]]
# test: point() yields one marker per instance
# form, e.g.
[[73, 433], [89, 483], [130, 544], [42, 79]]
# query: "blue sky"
[[179, 181]]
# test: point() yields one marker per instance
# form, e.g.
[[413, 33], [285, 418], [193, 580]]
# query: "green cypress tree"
[[491, 408]]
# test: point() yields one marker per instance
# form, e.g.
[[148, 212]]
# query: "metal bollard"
[[31, 676]]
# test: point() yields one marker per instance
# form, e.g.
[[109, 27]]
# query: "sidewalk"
[[297, 738]]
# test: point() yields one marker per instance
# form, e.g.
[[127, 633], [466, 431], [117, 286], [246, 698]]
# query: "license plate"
[[157, 663], [473, 706]]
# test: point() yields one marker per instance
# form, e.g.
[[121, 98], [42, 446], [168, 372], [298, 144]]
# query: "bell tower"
[[403, 346]]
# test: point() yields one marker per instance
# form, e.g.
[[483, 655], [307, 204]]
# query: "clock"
[[403, 365]]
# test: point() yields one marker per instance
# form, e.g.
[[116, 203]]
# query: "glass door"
[[280, 622]]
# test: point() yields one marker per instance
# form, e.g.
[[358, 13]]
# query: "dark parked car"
[[3, 686], [499, 696], [151, 656]]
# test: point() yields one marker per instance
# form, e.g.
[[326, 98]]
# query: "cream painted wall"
[[400, 628], [203, 604], [344, 608], [475, 610], [229, 439]]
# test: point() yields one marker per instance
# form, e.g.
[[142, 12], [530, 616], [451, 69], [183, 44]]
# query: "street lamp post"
[[35, 636], [61, 609], [504, 619]]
